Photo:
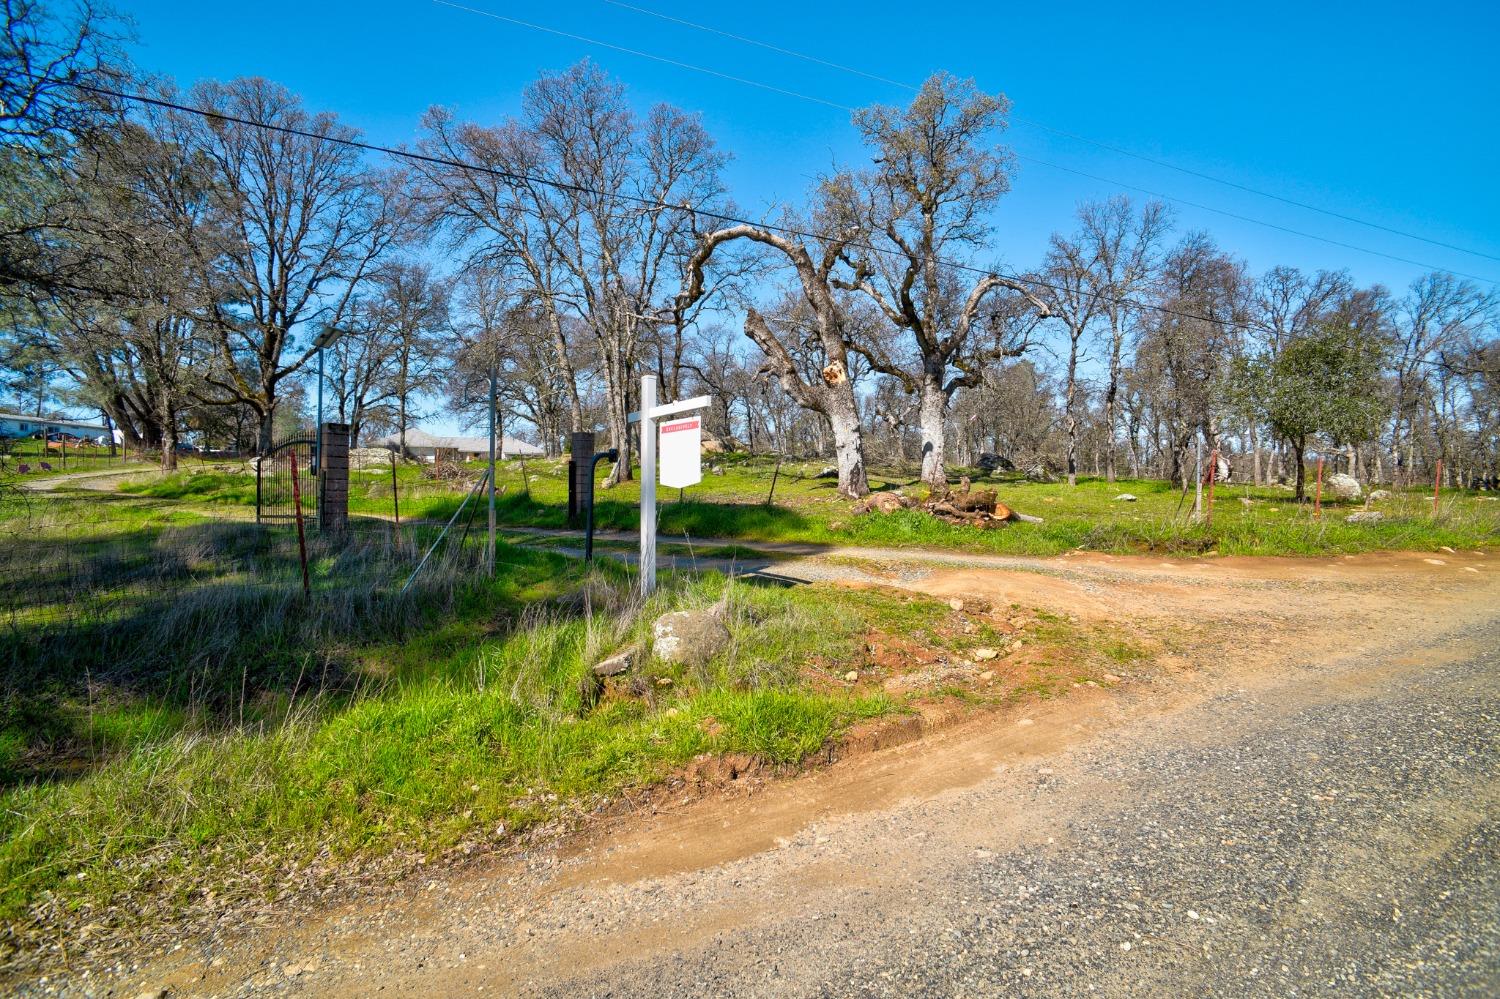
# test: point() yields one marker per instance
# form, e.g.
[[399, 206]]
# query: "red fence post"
[[1437, 485]]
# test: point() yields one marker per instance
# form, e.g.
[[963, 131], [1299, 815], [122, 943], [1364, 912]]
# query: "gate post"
[[333, 478], [580, 476]]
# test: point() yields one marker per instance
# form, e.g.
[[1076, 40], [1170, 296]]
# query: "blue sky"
[[1380, 111]]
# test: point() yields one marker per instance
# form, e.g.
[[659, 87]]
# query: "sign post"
[[679, 440]]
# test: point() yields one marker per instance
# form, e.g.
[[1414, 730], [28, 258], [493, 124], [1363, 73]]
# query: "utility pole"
[[489, 557], [648, 485]]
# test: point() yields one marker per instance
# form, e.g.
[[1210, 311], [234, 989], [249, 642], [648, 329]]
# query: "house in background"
[[430, 447], [21, 425]]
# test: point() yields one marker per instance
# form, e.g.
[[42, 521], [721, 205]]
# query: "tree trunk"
[[267, 431], [932, 414], [617, 407], [849, 449], [1070, 416], [1299, 448]]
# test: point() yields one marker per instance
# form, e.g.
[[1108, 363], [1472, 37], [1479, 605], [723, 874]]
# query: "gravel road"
[[1344, 847], [1304, 802]]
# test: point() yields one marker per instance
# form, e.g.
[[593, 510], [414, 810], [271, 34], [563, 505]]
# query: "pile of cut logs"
[[961, 505]]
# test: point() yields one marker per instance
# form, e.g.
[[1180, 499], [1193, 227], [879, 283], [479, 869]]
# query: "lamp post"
[[327, 338]]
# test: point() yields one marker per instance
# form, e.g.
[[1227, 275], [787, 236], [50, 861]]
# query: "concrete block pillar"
[[333, 478], [580, 479]]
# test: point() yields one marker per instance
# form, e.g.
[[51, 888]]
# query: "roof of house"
[[51, 421], [421, 438]]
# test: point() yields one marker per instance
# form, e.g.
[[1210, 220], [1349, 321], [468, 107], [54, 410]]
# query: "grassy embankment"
[[1247, 520], [182, 730]]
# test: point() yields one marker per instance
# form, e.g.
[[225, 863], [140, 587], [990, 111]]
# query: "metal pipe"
[[613, 454]]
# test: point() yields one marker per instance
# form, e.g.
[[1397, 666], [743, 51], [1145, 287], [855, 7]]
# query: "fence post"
[[301, 536], [395, 490], [580, 475], [1437, 485], [333, 478], [1318, 497]]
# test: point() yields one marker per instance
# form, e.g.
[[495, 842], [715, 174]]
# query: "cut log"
[[984, 500]]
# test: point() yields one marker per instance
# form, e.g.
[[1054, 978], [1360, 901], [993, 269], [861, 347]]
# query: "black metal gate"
[[275, 499]]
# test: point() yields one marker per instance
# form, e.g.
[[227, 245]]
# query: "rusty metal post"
[[1437, 486], [301, 535]]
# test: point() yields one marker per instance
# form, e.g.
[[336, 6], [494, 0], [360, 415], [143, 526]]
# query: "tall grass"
[[183, 728]]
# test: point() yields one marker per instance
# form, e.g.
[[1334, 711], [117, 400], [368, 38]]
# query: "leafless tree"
[[1126, 250], [598, 219], [1074, 301], [831, 392], [921, 208], [1438, 311], [304, 219]]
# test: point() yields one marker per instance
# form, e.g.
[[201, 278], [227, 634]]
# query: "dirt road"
[[1299, 796]]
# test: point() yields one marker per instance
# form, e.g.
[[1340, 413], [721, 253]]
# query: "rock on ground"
[[1341, 486], [1365, 517], [689, 637], [620, 662]]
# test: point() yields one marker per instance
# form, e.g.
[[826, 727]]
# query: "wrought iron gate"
[[274, 499]]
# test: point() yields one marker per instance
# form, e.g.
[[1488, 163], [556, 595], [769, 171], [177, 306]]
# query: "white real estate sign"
[[681, 449], [680, 465]]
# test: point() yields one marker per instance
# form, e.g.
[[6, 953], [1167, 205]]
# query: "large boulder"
[[1040, 473], [1341, 486], [990, 462], [689, 637], [1379, 494]]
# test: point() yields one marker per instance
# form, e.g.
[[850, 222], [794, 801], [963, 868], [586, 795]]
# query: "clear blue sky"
[[1382, 111]]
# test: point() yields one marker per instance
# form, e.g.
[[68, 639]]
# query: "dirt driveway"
[[1300, 795]]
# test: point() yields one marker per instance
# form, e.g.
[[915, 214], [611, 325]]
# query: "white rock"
[[1341, 486], [1365, 517], [1125, 498], [984, 655]]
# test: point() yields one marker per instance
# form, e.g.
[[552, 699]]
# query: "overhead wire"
[[1033, 123], [652, 203], [842, 107]]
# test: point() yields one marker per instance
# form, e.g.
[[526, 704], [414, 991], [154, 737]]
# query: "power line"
[[1110, 147], [654, 203], [1246, 218], [644, 55], [841, 107]]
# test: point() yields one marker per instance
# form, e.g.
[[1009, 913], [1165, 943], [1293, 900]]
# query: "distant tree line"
[[170, 269]]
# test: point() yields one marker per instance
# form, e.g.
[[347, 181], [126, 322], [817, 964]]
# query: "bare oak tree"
[[304, 221], [921, 210]]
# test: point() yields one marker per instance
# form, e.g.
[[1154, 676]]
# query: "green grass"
[[808, 509], [88, 458], [180, 723]]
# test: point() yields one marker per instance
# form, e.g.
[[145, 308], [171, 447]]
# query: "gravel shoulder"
[[1300, 795]]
